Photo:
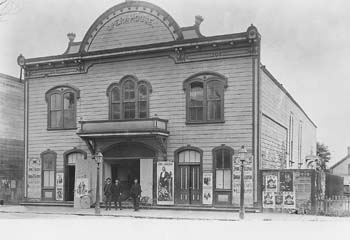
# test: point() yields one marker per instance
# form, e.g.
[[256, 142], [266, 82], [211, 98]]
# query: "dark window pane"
[[115, 111], [227, 159], [214, 110], [196, 95], [69, 121], [49, 162], [115, 95], [214, 89], [143, 109], [218, 155], [56, 120], [129, 90], [69, 100], [142, 92], [196, 113], [55, 102], [129, 110]]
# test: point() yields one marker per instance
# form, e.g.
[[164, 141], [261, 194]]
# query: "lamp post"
[[242, 156], [98, 159]]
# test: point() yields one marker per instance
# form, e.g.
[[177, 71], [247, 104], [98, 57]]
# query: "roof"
[[339, 162], [278, 84], [8, 77]]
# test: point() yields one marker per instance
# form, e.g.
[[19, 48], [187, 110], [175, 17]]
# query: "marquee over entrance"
[[131, 23]]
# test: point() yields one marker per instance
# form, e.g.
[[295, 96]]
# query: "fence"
[[333, 206]]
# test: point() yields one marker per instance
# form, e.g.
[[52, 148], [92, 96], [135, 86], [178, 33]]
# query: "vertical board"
[[34, 178], [146, 178], [165, 183], [207, 188], [59, 186]]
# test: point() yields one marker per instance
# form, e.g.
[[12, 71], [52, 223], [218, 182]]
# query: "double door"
[[189, 184]]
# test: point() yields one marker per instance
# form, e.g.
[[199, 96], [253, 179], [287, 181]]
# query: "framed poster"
[[289, 200], [165, 183], [207, 188], [271, 183], [268, 200], [59, 186], [279, 199], [82, 187], [34, 178], [286, 181]]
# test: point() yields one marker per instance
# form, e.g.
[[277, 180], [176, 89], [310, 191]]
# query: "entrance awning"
[[152, 127]]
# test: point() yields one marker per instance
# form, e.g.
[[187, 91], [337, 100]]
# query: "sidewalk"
[[167, 214]]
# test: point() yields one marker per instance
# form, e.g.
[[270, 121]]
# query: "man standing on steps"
[[108, 193], [116, 193], [135, 193]]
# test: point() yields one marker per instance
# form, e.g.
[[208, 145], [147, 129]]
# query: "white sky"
[[304, 45]]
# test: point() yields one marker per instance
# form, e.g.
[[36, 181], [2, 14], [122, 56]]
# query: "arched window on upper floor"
[[129, 99], [205, 97], [61, 107]]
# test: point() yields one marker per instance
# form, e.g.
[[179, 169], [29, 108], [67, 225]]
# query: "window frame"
[[48, 188], [231, 153], [61, 90], [121, 86], [205, 78]]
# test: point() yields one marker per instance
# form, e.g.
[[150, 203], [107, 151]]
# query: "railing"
[[124, 126], [333, 206]]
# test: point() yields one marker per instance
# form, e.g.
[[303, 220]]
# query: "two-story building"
[[163, 104]]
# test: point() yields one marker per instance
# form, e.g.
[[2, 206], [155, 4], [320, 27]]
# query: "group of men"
[[114, 192]]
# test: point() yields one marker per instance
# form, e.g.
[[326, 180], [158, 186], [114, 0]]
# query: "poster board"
[[34, 178], [286, 181], [268, 199], [82, 187], [207, 188], [271, 183], [248, 180], [165, 183], [289, 200], [59, 186]]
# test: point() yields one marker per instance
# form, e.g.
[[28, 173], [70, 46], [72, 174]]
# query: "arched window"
[[48, 159], [129, 99], [61, 103], [222, 164], [205, 97]]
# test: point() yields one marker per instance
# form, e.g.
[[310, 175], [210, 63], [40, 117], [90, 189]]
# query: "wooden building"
[[11, 139], [342, 168], [152, 96]]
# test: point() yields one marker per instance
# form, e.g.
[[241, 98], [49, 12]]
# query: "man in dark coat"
[[116, 193], [135, 193], [108, 193]]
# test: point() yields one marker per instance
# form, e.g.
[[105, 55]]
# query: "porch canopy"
[[156, 128]]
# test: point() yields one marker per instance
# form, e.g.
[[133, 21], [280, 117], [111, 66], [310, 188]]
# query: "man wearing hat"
[[108, 191]]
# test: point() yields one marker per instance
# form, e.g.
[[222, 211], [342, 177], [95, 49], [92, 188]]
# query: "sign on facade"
[[165, 183], [248, 180], [34, 178], [82, 187], [59, 186], [207, 188]]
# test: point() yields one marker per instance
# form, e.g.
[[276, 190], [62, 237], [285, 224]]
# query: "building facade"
[[11, 139], [163, 104], [342, 168]]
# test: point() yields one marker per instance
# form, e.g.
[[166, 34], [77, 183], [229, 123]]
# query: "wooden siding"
[[277, 106], [167, 101]]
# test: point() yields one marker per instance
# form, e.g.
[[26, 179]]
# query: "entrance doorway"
[[190, 187], [126, 171], [69, 182]]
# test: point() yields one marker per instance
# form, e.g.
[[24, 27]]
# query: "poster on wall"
[[286, 181], [34, 178], [82, 187], [59, 186], [268, 200], [165, 183], [289, 200], [271, 183], [279, 199], [207, 188], [248, 180]]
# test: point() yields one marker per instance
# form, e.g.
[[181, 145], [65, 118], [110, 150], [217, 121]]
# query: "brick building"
[[164, 104], [11, 139]]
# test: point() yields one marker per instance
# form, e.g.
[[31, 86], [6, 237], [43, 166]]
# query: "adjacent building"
[[163, 104], [11, 139], [342, 168]]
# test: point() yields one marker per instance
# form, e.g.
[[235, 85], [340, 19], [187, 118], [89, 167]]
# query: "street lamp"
[[242, 157], [98, 159]]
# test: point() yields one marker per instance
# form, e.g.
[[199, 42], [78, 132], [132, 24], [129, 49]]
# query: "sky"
[[305, 45]]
